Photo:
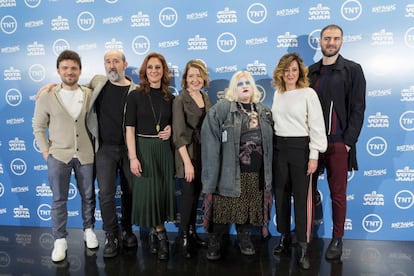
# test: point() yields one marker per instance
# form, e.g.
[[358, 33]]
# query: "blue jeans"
[[59, 175]]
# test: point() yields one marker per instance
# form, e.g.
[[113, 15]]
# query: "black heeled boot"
[[284, 244], [153, 241], [164, 247], [302, 255], [186, 245], [213, 250], [195, 238]]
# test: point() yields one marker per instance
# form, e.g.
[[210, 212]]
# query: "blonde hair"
[[231, 91]]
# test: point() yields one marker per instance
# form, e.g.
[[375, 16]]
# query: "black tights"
[[189, 203]]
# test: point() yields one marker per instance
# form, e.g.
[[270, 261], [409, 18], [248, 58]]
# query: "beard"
[[114, 76], [330, 54]]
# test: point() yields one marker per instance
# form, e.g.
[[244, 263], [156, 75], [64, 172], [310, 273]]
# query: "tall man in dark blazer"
[[341, 87]]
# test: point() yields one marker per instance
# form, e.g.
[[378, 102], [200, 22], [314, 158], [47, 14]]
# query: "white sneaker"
[[59, 250], [90, 238]]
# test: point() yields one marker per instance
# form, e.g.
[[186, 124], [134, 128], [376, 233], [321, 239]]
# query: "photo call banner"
[[228, 36]]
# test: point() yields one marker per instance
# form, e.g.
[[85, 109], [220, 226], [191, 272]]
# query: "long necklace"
[[244, 109], [157, 123], [252, 115]]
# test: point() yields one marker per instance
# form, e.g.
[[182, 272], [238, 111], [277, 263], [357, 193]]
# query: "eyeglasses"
[[241, 83]]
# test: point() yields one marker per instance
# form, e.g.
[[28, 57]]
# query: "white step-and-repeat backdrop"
[[228, 36]]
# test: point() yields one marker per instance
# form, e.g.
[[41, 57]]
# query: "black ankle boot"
[[153, 241], [164, 248], [195, 238], [111, 245], [284, 244], [302, 255], [334, 251], [213, 250], [185, 245], [245, 244]]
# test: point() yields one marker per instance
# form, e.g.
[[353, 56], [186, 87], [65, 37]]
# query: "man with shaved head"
[[105, 122]]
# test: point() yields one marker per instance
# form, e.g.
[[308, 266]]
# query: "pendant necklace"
[[244, 109], [157, 123]]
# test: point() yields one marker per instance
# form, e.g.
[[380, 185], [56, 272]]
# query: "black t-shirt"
[[251, 151], [145, 112], [110, 110]]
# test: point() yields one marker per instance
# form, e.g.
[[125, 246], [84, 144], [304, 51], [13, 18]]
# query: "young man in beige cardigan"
[[60, 131]]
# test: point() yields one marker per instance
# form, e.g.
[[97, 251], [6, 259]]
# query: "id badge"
[[224, 136]]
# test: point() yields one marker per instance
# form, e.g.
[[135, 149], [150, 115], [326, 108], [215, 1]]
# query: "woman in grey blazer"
[[189, 109]]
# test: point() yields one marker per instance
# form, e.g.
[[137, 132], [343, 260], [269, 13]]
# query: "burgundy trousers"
[[335, 161]]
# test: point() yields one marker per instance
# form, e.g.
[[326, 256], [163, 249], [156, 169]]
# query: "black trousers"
[[291, 162], [112, 162]]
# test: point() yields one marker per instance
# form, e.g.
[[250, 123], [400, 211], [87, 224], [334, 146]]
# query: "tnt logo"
[[226, 42], [140, 45], [37, 72], [32, 3], [60, 45], [407, 120], [36, 146], [404, 199], [376, 146], [262, 92], [372, 223], [409, 37], [13, 97], [72, 191], [44, 212], [18, 166], [4, 259], [46, 240], [8, 24], [256, 13], [370, 255], [86, 21], [1, 189], [313, 39], [168, 17], [351, 10]]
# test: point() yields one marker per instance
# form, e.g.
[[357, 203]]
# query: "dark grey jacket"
[[186, 128], [220, 157]]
